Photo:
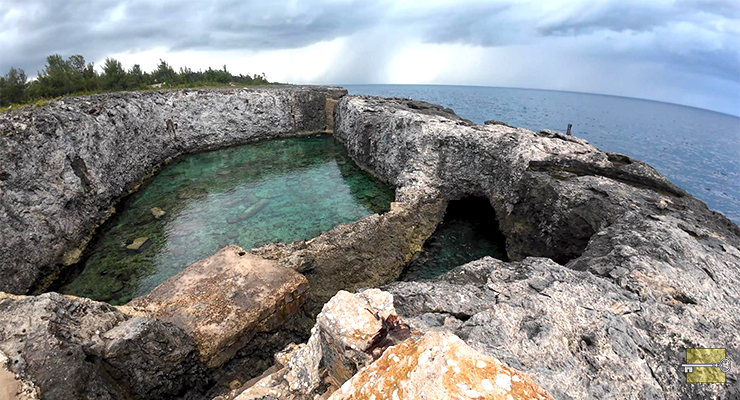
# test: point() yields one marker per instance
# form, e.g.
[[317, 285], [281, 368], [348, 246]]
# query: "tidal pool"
[[277, 190], [468, 232]]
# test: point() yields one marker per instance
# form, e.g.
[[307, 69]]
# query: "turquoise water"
[[468, 232], [278, 190], [696, 149]]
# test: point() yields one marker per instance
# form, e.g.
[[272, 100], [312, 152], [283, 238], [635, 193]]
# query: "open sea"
[[699, 150]]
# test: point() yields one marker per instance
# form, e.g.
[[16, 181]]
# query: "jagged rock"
[[350, 332], [438, 366], [65, 165], [224, 300], [624, 331], [74, 348], [158, 212]]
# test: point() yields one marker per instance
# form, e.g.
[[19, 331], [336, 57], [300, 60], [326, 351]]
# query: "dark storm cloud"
[[695, 37], [31, 30]]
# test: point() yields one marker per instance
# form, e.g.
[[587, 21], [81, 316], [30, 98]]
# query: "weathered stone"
[[350, 332], [438, 366], [138, 243], [626, 333], [158, 212], [12, 386], [224, 300], [65, 165], [74, 348], [369, 252]]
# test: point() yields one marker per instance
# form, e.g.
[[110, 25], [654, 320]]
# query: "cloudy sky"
[[680, 51]]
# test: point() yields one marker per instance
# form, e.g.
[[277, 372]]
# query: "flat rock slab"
[[224, 300], [438, 365]]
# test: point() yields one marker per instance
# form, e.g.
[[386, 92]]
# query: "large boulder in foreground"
[[74, 348], [360, 348], [438, 366], [224, 300]]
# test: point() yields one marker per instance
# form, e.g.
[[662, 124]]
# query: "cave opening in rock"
[[468, 232]]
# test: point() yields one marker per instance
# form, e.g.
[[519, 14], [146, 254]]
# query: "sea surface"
[[696, 149], [275, 190]]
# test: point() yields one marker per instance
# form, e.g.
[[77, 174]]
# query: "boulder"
[[350, 332], [438, 366], [224, 300], [65, 347]]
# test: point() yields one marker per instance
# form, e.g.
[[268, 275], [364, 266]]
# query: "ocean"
[[699, 150]]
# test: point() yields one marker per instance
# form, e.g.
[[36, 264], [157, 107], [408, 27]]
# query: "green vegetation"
[[74, 76]]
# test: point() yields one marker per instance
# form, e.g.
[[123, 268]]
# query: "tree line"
[[75, 76]]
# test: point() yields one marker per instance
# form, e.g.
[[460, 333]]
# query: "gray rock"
[[65, 165], [74, 348], [577, 334]]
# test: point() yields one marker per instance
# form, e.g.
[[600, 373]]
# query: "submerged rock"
[[158, 212], [224, 300], [74, 348], [138, 244]]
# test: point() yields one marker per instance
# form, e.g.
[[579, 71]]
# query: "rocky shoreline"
[[614, 270]]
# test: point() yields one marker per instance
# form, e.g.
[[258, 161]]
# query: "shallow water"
[[468, 232], [699, 150], [278, 190]]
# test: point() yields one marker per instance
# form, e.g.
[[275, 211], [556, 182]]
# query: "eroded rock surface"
[[438, 366], [65, 165], [579, 335], [351, 331], [74, 348], [224, 300]]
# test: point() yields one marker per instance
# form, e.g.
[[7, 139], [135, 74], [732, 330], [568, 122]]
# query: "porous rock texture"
[[224, 300], [63, 347], [65, 165], [636, 269], [438, 366]]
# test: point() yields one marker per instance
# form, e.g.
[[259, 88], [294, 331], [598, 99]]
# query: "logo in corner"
[[706, 366]]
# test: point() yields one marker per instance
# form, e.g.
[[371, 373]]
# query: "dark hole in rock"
[[468, 232]]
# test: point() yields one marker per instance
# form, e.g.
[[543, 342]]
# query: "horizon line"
[[545, 90]]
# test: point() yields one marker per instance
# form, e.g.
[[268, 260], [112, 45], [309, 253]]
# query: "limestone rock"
[[350, 332], [74, 348], [158, 212], [137, 244], [67, 164], [12, 386], [438, 366], [579, 334], [224, 300]]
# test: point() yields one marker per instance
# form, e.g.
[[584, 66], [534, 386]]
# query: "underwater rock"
[[75, 348], [224, 300], [253, 209], [158, 212], [438, 366], [138, 244]]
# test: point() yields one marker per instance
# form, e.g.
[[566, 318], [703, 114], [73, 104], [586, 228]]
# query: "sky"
[[678, 51]]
